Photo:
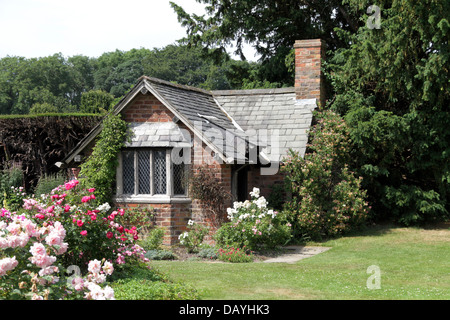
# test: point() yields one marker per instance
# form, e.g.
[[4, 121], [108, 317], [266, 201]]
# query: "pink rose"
[[94, 266], [38, 249]]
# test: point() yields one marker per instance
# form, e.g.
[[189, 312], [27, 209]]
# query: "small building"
[[240, 135]]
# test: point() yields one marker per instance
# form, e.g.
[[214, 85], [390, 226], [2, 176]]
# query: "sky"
[[39, 28]]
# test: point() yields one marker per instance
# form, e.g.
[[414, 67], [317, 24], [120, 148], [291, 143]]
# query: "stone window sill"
[[145, 199]]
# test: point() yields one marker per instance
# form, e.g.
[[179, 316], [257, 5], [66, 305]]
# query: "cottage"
[[240, 134]]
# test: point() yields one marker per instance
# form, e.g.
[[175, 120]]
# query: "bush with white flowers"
[[193, 238], [254, 225]]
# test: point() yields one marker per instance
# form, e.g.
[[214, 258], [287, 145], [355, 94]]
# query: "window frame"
[[137, 197]]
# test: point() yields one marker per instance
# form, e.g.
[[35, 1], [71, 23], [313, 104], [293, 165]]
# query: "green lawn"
[[414, 264]]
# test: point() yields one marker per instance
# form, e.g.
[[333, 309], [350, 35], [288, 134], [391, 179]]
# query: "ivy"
[[99, 170]]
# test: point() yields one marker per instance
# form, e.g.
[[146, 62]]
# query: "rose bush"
[[254, 225], [93, 230], [59, 231], [29, 268]]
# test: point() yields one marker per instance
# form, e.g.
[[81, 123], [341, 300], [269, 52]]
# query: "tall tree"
[[392, 85], [270, 26]]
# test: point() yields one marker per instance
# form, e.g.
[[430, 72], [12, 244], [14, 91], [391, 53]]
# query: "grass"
[[414, 264]]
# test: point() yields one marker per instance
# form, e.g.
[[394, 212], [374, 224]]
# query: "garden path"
[[296, 253]]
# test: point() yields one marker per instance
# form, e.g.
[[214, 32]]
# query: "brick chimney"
[[308, 73]]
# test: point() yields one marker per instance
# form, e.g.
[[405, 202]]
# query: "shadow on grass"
[[372, 230]]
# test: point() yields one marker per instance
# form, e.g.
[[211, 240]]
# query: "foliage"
[[153, 239], [100, 167], [193, 238], [96, 101], [41, 108], [141, 216], [149, 284], [11, 188], [392, 86], [38, 142], [205, 187], [207, 252], [47, 183], [327, 198], [63, 82], [271, 27], [160, 254], [234, 255], [253, 225]]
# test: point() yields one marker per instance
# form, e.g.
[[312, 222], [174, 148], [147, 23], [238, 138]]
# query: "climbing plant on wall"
[[99, 170]]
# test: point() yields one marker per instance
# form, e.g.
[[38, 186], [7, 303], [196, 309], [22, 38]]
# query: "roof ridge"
[[175, 85], [253, 91]]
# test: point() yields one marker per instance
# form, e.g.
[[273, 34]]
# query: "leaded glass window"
[[179, 179], [146, 172], [159, 172], [128, 172]]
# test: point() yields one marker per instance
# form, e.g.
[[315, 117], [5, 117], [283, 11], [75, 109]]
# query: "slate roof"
[[275, 110]]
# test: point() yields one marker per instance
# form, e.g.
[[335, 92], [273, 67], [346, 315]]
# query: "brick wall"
[[146, 108]]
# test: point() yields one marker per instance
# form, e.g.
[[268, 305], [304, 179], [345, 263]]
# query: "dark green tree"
[[116, 72], [271, 27], [392, 86], [96, 101]]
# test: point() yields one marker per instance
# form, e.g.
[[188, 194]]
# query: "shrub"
[[96, 101], [41, 108], [208, 253], [47, 183], [146, 283], [193, 238], [160, 254], [254, 225], [327, 198], [142, 289], [11, 188], [206, 187], [154, 239], [99, 169]]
